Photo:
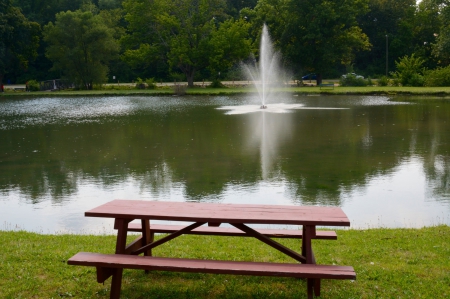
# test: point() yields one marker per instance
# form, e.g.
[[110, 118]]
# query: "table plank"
[[225, 213]]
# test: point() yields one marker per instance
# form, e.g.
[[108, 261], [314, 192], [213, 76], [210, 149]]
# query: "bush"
[[438, 77], [383, 81], [216, 84], [140, 83], [351, 80], [409, 71], [151, 84], [33, 85]]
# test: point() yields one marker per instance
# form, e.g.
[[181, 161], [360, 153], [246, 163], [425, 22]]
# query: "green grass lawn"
[[126, 90], [389, 263]]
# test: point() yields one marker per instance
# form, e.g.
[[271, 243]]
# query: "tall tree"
[[229, 43], [387, 24], [441, 48], [19, 39], [181, 32], [316, 35], [80, 46], [427, 24]]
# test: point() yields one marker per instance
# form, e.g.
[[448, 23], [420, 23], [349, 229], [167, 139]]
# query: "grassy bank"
[[306, 90], [390, 263]]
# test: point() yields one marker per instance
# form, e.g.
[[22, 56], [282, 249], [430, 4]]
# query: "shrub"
[[151, 84], [383, 81], [216, 84], [33, 85], [438, 77], [352, 80], [409, 71], [140, 83]]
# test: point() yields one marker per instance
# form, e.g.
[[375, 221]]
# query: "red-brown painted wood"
[[223, 213], [167, 238], [122, 261], [231, 231]]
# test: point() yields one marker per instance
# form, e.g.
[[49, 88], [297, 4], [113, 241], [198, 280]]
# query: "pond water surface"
[[385, 161]]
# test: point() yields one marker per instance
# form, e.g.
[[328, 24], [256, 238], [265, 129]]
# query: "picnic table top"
[[221, 213]]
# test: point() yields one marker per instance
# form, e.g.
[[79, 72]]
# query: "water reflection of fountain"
[[270, 128], [268, 133]]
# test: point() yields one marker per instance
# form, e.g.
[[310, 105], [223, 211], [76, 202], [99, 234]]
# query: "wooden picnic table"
[[238, 216]]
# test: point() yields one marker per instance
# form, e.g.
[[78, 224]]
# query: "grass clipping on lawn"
[[389, 263]]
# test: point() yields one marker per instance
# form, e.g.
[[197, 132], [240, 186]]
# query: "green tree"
[[191, 35], [315, 35], [19, 39], [229, 44], [427, 24], [80, 46], [441, 48], [394, 19]]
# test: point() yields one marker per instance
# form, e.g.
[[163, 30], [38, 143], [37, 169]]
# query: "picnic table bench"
[[238, 216]]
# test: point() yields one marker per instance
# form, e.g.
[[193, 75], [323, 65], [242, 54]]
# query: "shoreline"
[[128, 90]]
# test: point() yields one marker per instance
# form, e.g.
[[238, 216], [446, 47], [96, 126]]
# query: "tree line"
[[90, 42]]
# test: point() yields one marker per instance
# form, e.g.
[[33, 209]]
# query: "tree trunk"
[[190, 79], [319, 79]]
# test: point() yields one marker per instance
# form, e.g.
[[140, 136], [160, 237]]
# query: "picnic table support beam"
[[167, 238], [253, 233]]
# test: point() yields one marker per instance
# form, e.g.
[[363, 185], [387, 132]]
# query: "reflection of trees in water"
[[327, 154], [438, 176], [432, 143]]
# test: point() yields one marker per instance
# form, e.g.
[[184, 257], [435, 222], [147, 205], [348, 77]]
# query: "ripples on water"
[[385, 162]]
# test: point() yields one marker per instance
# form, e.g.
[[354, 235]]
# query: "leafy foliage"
[[80, 46], [352, 80], [410, 71], [388, 24], [383, 81], [441, 48], [316, 35], [19, 39], [33, 85], [438, 77], [191, 36]]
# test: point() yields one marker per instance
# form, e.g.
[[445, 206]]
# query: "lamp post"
[[387, 55]]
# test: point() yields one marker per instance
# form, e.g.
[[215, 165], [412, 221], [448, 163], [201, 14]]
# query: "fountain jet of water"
[[266, 73]]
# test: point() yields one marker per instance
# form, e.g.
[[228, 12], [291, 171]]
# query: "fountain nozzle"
[[263, 107]]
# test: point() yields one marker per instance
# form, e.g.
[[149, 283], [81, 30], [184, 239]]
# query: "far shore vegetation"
[[200, 89], [389, 263]]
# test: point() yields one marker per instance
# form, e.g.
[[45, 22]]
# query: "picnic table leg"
[[147, 235], [310, 287], [121, 243], [309, 232]]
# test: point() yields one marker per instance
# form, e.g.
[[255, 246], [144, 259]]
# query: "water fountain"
[[266, 73], [267, 130]]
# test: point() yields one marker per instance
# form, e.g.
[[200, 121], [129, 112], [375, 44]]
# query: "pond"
[[385, 161]]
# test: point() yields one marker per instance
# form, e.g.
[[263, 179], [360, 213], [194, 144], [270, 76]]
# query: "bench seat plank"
[[121, 261], [231, 231]]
